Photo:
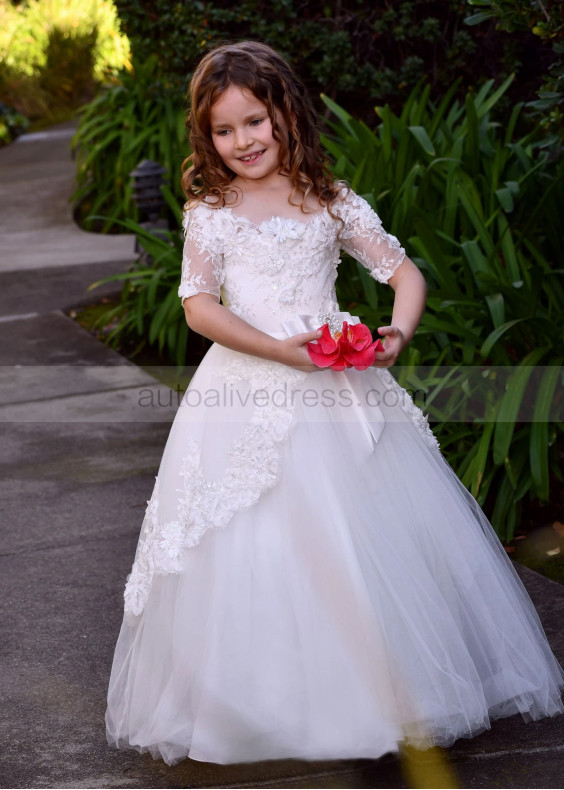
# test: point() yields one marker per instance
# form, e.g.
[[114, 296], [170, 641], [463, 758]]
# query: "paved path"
[[78, 454], [37, 179]]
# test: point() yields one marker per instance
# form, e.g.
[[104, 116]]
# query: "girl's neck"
[[260, 201], [273, 184]]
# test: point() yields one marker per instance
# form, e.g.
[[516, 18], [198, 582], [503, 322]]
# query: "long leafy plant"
[[479, 210], [148, 313], [134, 119]]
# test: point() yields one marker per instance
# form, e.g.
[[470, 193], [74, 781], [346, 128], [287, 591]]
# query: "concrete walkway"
[[38, 232], [78, 455]]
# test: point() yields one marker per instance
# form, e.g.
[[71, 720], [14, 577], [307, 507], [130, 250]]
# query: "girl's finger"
[[307, 337], [388, 330]]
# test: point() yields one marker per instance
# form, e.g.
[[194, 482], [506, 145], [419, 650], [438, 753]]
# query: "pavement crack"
[[63, 545], [51, 398], [507, 753]]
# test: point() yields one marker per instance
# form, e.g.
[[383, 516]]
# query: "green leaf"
[[476, 19], [496, 306], [497, 333], [450, 327], [172, 203], [505, 197], [420, 134], [539, 429], [511, 404], [475, 257], [341, 114]]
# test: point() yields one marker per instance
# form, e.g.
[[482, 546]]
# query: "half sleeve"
[[201, 261], [364, 238]]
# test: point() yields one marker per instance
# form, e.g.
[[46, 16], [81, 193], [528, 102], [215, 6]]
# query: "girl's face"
[[241, 132]]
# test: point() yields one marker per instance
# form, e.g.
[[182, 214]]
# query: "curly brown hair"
[[261, 70]]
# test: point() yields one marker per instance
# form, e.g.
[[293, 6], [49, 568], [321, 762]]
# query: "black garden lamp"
[[147, 181]]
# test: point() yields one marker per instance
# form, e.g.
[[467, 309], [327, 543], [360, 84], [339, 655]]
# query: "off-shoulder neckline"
[[258, 225]]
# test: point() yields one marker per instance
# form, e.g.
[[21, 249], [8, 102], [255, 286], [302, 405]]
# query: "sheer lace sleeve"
[[201, 259], [365, 239]]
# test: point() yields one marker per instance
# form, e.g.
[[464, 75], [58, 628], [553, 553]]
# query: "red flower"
[[325, 352], [351, 348]]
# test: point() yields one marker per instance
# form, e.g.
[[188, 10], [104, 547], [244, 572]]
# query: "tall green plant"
[[139, 117], [479, 210], [149, 313]]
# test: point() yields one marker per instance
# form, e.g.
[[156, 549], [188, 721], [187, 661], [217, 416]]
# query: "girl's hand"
[[292, 351], [395, 343]]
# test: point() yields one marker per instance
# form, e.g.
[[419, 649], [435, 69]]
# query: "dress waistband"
[[372, 420], [309, 323]]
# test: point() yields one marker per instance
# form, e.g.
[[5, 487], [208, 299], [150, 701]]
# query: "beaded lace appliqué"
[[266, 273], [365, 239], [414, 413], [253, 468]]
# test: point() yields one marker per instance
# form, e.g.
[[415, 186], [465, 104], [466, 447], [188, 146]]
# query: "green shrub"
[[480, 211], [25, 29], [148, 314], [545, 21], [54, 52], [361, 53], [67, 75], [138, 117], [12, 123]]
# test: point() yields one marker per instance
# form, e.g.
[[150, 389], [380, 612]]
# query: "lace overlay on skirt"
[[252, 469], [312, 581]]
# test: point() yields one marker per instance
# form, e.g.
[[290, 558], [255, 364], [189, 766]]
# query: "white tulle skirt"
[[313, 581]]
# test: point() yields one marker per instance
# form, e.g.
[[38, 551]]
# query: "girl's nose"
[[241, 139]]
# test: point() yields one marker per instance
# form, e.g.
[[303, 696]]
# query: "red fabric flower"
[[350, 348]]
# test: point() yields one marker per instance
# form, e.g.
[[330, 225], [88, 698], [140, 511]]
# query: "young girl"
[[312, 580]]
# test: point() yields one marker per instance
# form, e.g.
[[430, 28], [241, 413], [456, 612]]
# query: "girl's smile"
[[252, 158], [242, 134]]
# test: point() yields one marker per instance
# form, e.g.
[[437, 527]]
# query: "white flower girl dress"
[[312, 580]]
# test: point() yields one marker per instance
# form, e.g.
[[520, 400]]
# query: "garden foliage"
[[139, 117], [149, 312], [543, 19], [12, 124], [360, 53], [54, 52], [479, 209]]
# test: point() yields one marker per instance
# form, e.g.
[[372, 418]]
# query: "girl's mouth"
[[251, 158]]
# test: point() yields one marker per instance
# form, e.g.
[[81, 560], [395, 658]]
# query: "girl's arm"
[[363, 237], [206, 316], [200, 293], [409, 304]]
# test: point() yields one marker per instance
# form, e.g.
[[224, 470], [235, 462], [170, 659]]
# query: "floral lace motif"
[[282, 266], [413, 412], [365, 239], [202, 256], [282, 228], [139, 581], [253, 468], [266, 273]]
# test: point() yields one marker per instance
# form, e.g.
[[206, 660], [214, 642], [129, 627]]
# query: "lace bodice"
[[267, 272], [275, 275]]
